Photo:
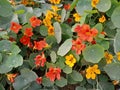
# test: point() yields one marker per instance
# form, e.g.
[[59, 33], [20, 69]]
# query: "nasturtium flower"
[[39, 80], [28, 2], [91, 72], [57, 17], [78, 46], [102, 19], [77, 17], [51, 30], [28, 32], [11, 77], [94, 3], [47, 22], [55, 1], [70, 60], [39, 45], [54, 73], [25, 40], [85, 33], [118, 56], [15, 27], [67, 6], [35, 21], [55, 8], [49, 15], [40, 60], [115, 82], [108, 57]]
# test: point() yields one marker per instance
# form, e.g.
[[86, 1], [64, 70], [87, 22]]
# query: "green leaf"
[[14, 60], [1, 87], [53, 56], [115, 17], [76, 76], [62, 82], [37, 12], [33, 86], [99, 27], [105, 44], [104, 5], [65, 47], [15, 49], [80, 88], [19, 12], [117, 42], [70, 79], [67, 69], [63, 14], [83, 5], [60, 62], [0, 57], [5, 45], [58, 32], [113, 71], [27, 76], [66, 30], [106, 86], [47, 82], [9, 62], [43, 30], [5, 8], [93, 53], [83, 18]]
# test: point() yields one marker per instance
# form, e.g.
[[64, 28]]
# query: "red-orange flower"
[[54, 73], [11, 77], [40, 60], [78, 46], [35, 21], [28, 32], [67, 6], [39, 80], [15, 27], [25, 40], [39, 45], [85, 33]]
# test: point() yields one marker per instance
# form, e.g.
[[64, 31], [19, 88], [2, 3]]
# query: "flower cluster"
[[91, 72]]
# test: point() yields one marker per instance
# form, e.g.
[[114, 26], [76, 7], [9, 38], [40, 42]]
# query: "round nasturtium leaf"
[[104, 5], [83, 5], [93, 53], [113, 71], [62, 82], [115, 17]]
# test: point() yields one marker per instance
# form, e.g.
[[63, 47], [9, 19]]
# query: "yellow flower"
[[70, 60], [92, 71], [77, 17], [55, 8], [109, 57], [115, 82], [11, 77], [118, 56], [51, 30], [49, 15], [57, 17], [94, 3], [102, 19], [47, 22], [55, 1]]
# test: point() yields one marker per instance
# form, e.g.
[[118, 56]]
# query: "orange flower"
[[55, 1], [39, 80], [40, 60], [28, 32], [35, 21], [39, 45], [25, 40], [54, 73], [11, 77], [51, 30], [94, 3], [78, 46], [67, 6], [15, 27], [102, 19], [85, 33]]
